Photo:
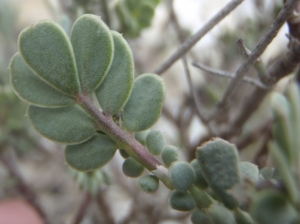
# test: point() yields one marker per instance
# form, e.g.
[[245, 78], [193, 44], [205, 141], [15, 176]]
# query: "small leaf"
[[182, 175], [219, 163], [68, 125], [92, 154], [200, 217], [46, 48], [149, 183], [169, 155], [272, 207], [249, 170], [132, 168], [220, 214], [141, 136], [144, 106], [181, 201], [93, 48], [115, 89], [30, 88], [155, 142], [200, 180]]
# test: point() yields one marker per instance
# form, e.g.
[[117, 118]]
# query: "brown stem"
[[104, 206], [124, 139], [83, 207]]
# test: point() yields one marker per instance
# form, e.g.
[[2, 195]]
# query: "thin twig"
[[229, 75], [104, 206], [87, 198], [190, 42], [8, 159], [262, 45]]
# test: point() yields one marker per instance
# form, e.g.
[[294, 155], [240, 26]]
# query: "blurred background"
[[32, 168]]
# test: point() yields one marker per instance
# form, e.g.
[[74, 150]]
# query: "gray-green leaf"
[[69, 125], [93, 48], [92, 154], [30, 88]]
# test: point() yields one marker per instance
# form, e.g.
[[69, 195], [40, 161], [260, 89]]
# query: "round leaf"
[[144, 106], [92, 154], [182, 175], [181, 201], [45, 47], [115, 89], [69, 125], [132, 168], [30, 88], [93, 48], [155, 142]]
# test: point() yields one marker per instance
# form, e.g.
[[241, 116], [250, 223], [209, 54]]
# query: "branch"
[[228, 75], [190, 42], [87, 198], [8, 159], [262, 45]]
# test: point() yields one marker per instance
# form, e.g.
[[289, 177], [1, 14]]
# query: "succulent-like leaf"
[[92, 154], [68, 125], [132, 168], [182, 175], [149, 183], [144, 106], [181, 201], [200, 217], [141, 136], [46, 48], [202, 198], [169, 155], [219, 164], [200, 180], [115, 89], [155, 142], [249, 170], [93, 48], [220, 214], [33, 90], [272, 207]]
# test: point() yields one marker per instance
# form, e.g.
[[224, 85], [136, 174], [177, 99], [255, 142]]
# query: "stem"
[[83, 207], [190, 42], [260, 48], [124, 139]]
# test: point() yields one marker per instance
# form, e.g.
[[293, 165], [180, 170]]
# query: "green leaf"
[[132, 168], [181, 201], [33, 90], [68, 125], [220, 214], [155, 142], [200, 180], [200, 217], [182, 175], [92, 154], [45, 47], [149, 183], [249, 170], [144, 106], [115, 89], [272, 207], [169, 155], [219, 163], [93, 48]]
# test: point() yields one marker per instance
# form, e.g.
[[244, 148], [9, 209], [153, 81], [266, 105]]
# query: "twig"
[[8, 159], [190, 42], [104, 206], [262, 45], [83, 207], [105, 11], [228, 75]]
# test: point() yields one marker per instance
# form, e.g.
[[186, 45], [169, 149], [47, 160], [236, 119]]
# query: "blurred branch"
[[87, 198], [8, 159], [105, 10], [228, 75], [191, 41], [262, 45], [104, 206]]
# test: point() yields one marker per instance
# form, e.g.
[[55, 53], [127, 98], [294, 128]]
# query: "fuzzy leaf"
[[92, 154], [45, 47], [149, 183], [219, 163], [69, 125], [155, 142], [93, 48], [144, 106], [181, 201], [33, 90], [182, 175], [132, 168], [115, 89]]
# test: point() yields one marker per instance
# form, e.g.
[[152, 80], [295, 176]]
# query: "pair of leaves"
[[51, 71]]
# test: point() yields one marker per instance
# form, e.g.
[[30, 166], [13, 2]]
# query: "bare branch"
[[190, 42], [262, 45], [229, 75], [87, 198]]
